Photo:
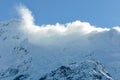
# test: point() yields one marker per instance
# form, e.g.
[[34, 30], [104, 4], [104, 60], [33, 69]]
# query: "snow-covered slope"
[[19, 58], [14, 57]]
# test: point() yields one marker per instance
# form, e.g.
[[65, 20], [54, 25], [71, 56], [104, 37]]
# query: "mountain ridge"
[[87, 70]]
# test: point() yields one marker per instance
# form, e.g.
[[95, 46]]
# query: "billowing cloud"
[[77, 33]]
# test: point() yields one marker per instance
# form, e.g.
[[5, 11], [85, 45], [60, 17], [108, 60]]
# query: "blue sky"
[[103, 13]]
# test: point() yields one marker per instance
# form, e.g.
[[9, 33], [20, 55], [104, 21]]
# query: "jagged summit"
[[87, 70]]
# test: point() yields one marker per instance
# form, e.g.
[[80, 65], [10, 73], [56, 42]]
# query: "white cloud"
[[58, 34]]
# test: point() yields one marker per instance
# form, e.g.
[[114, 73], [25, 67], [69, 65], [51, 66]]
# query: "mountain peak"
[[87, 70]]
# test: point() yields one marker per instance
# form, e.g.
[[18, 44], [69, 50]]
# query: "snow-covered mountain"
[[22, 60]]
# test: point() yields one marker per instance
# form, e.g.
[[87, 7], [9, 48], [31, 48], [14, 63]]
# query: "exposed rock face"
[[88, 70]]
